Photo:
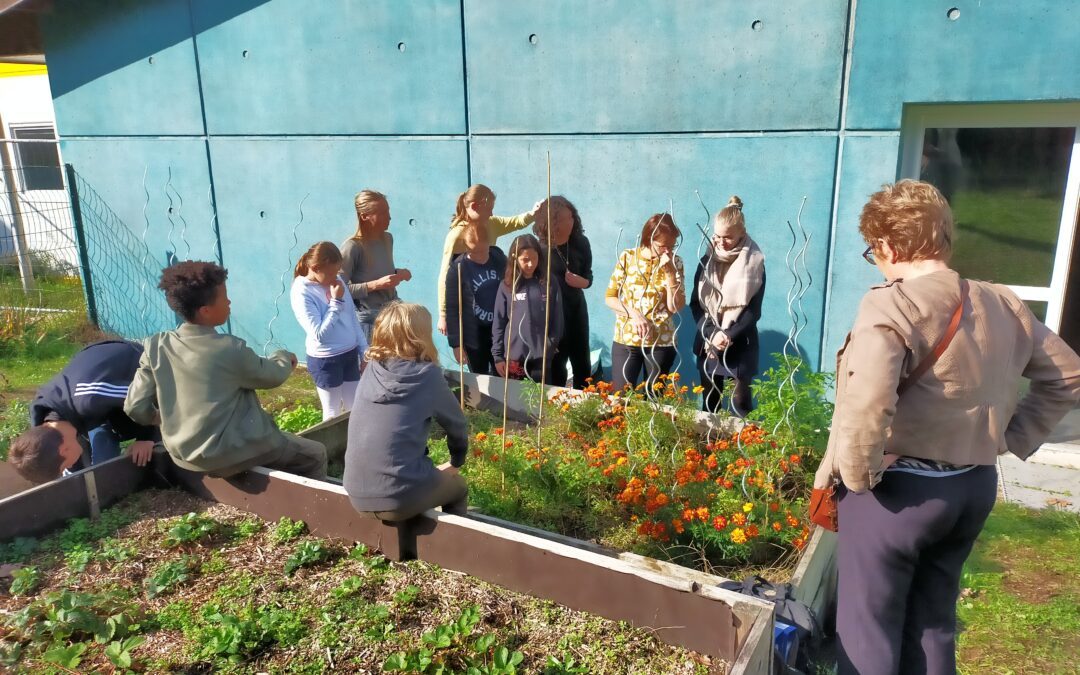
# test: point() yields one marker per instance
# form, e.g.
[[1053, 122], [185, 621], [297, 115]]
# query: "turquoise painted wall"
[[639, 103]]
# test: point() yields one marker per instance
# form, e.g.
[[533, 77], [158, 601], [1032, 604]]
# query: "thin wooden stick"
[[547, 308], [509, 329], [461, 337]]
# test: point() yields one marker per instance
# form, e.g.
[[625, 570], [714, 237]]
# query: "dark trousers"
[[627, 363], [573, 348], [712, 398], [901, 549], [479, 358]]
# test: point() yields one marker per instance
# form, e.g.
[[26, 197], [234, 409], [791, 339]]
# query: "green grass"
[[1021, 610], [1006, 236]]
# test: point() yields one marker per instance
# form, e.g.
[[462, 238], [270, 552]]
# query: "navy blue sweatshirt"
[[90, 391], [527, 333]]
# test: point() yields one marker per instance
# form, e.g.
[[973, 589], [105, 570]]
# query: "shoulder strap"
[[941, 346]]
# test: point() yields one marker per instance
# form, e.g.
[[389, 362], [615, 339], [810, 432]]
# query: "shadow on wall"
[[114, 35]]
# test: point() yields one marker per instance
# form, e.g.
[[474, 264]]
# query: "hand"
[[575, 280], [442, 325], [720, 340], [536, 207], [459, 355], [448, 468], [667, 261], [640, 324], [337, 289], [500, 368], [383, 283], [404, 275], [141, 452]]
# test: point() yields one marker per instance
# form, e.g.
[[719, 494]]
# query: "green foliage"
[[114, 550], [307, 553], [234, 636], [25, 580], [358, 552], [14, 420], [301, 416], [49, 622], [69, 656], [793, 404], [407, 595], [567, 665], [83, 532], [78, 557], [171, 574], [349, 587], [189, 529], [447, 649], [119, 652], [18, 550], [247, 528], [287, 529]]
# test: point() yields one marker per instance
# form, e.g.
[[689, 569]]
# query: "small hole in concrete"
[[170, 210], [412, 222], [244, 53], [401, 46], [953, 13], [757, 25], [262, 214], [150, 60], [533, 39]]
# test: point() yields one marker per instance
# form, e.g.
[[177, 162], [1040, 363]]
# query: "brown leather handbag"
[[823, 500]]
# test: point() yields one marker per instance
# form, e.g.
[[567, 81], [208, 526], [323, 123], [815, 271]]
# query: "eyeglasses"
[[868, 255]]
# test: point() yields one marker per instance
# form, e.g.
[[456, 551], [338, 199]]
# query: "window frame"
[[917, 118], [13, 131]]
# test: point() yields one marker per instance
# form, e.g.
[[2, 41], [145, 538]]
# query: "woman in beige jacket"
[[917, 469]]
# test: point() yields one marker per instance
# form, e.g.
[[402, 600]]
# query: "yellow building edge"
[[21, 69]]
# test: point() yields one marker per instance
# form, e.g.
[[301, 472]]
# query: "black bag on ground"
[[789, 611]]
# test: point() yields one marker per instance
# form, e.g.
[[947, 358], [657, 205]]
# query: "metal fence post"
[[80, 238]]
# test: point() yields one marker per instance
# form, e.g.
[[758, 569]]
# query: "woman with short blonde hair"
[[388, 473], [926, 399]]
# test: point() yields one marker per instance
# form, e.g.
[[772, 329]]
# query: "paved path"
[[1051, 477]]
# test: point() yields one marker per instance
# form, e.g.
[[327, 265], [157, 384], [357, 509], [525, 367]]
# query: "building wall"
[[275, 103]]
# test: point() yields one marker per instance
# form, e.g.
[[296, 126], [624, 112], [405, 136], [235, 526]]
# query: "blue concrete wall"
[[638, 102]]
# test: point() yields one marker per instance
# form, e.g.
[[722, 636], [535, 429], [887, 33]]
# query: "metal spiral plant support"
[[183, 222], [143, 294], [795, 293], [281, 279], [547, 310], [172, 223]]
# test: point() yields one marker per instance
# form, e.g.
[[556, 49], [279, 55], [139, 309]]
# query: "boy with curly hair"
[[202, 383]]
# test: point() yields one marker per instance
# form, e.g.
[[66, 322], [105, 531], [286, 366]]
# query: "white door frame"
[[918, 118]]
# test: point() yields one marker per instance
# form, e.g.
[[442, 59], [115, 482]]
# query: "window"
[[1011, 173], [39, 162]]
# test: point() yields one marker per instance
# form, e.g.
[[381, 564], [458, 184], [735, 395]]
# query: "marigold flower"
[[703, 513], [739, 519], [774, 507], [747, 507], [777, 526], [698, 389], [688, 514], [738, 536], [481, 437], [678, 526], [752, 531], [719, 522]]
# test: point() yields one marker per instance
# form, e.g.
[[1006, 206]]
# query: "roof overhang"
[[19, 33]]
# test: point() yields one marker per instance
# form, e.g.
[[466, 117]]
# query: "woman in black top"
[[726, 304], [571, 265]]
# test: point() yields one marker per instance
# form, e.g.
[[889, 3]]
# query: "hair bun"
[[735, 201]]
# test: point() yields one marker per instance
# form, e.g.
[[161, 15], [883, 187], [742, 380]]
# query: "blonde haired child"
[[388, 473], [474, 207], [335, 342], [368, 259]]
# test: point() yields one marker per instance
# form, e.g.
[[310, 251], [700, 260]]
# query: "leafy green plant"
[[78, 557], [358, 552], [287, 530], [119, 652], [567, 665], [18, 550], [171, 574], [25, 580], [348, 587], [307, 553], [114, 550], [247, 528], [69, 656], [407, 595], [190, 528], [14, 420], [299, 417], [447, 649]]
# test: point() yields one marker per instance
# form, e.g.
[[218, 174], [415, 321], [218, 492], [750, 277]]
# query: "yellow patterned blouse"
[[639, 283]]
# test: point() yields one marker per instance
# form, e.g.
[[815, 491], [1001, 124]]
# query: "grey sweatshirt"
[[365, 261], [386, 460]]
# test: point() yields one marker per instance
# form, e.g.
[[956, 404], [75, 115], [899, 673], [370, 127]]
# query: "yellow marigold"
[[738, 536], [747, 507], [698, 389], [481, 437]]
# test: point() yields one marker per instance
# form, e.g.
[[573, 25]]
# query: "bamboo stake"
[[547, 309], [461, 338], [509, 329]]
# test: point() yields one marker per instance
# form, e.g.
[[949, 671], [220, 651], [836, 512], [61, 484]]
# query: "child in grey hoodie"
[[388, 473], [517, 332]]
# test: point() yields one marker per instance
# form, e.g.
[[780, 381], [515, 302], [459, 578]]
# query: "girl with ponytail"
[[474, 208], [335, 342]]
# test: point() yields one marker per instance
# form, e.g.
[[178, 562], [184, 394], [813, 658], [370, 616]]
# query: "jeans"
[[104, 444]]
